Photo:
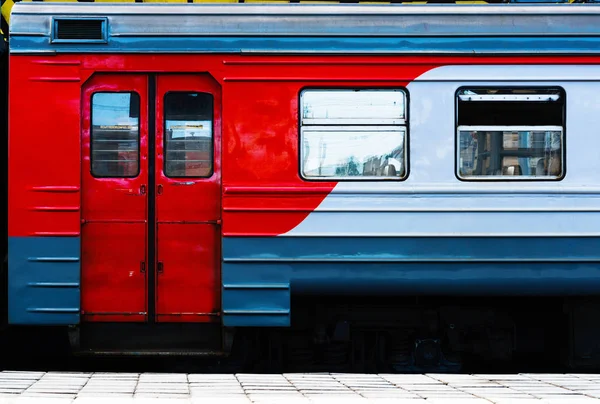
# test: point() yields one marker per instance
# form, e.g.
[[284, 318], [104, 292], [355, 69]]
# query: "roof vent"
[[79, 30]]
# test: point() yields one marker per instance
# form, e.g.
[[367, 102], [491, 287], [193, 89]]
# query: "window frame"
[[138, 137], [212, 135], [342, 125], [508, 178]]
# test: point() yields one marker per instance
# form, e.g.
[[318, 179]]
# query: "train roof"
[[486, 29]]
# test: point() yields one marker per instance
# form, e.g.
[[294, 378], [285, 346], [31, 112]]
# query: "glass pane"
[[115, 134], [353, 154], [352, 105], [188, 135], [509, 153]]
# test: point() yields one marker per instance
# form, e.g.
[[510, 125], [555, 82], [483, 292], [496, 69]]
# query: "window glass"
[[115, 134], [526, 153], [353, 154], [354, 134], [511, 134], [188, 134], [354, 107]]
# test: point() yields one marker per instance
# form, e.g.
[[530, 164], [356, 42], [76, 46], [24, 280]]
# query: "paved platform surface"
[[157, 388]]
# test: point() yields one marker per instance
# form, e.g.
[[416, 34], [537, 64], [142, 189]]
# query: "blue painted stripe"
[[43, 280], [434, 265], [411, 249], [254, 269], [490, 45]]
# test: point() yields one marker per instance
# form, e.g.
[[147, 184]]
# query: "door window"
[[188, 134], [115, 134]]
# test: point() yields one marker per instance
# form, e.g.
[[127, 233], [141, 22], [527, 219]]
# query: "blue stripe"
[[386, 45], [43, 280], [401, 266], [411, 249]]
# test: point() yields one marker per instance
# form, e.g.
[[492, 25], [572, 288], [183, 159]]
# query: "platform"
[[180, 388]]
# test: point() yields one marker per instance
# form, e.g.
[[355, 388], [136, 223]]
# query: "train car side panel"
[[44, 191]]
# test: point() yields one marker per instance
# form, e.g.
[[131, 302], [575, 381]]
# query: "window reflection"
[[525, 153], [115, 135], [188, 134], [353, 154]]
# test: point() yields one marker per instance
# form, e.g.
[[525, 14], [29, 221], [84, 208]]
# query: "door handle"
[[143, 267], [143, 189], [159, 189], [160, 269]]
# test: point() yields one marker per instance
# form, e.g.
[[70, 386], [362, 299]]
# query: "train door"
[[150, 198]]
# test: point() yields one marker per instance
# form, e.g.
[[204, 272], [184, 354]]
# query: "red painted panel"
[[115, 199], [188, 199], [113, 273], [188, 287], [44, 162], [188, 278], [260, 99], [114, 210]]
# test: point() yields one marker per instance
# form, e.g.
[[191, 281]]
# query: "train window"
[[188, 136], [510, 134], [115, 139], [349, 134]]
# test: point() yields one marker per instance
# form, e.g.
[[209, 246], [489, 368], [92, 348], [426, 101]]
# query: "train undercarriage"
[[347, 334]]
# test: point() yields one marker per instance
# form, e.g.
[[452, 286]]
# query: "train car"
[[403, 187]]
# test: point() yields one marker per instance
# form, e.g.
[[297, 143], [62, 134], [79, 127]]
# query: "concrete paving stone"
[[374, 394], [7, 390], [51, 389], [446, 395], [286, 400], [58, 384], [274, 395], [271, 388], [182, 378], [565, 399], [111, 394], [68, 374], [220, 400], [208, 395], [215, 378], [327, 392], [331, 391], [381, 388], [260, 377], [108, 390], [457, 401], [43, 400], [426, 387], [48, 395], [171, 397], [16, 385], [337, 400], [384, 400], [411, 379], [545, 389], [216, 388], [214, 382], [159, 400]]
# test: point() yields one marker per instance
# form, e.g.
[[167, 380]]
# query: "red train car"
[[363, 178]]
